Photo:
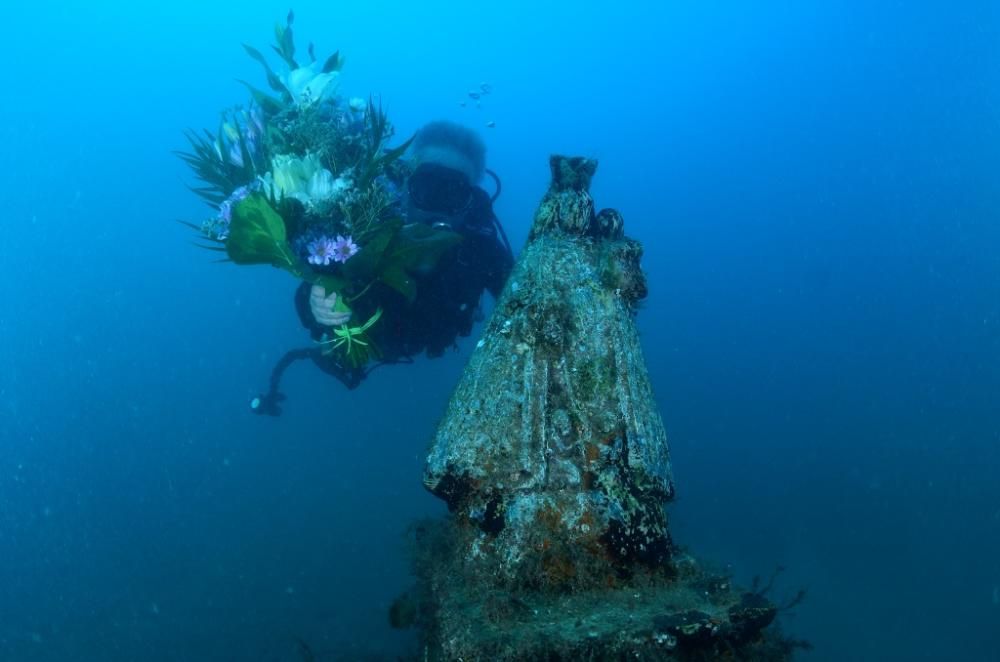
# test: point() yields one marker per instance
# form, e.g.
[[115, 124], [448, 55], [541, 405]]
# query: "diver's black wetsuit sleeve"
[[493, 255], [316, 329]]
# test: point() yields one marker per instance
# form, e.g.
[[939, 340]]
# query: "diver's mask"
[[438, 196]]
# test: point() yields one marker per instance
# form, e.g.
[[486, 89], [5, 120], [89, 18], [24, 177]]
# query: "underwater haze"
[[816, 188]]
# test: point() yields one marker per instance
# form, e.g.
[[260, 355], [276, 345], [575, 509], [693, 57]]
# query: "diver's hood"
[[447, 156]]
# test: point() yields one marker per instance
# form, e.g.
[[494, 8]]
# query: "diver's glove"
[[267, 404], [322, 305]]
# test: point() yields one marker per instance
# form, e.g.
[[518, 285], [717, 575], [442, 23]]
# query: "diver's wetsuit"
[[446, 303]]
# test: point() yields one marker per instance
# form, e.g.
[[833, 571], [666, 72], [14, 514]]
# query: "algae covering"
[[554, 462], [552, 437]]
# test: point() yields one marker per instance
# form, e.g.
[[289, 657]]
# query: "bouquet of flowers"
[[302, 179]]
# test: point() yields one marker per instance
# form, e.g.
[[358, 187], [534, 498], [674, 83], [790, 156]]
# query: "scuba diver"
[[442, 191]]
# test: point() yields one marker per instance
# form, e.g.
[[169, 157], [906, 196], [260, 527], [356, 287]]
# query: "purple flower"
[[344, 248], [321, 251], [226, 208], [239, 194], [218, 227]]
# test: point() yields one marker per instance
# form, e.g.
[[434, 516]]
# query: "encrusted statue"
[[553, 460]]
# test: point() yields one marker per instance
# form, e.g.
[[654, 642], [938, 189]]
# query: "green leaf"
[[416, 249], [272, 78], [292, 64], [257, 236], [372, 320], [285, 43], [394, 253], [329, 282], [381, 163], [378, 124], [368, 263], [396, 277], [217, 174], [267, 103], [419, 247], [210, 194], [333, 63], [386, 159], [196, 228]]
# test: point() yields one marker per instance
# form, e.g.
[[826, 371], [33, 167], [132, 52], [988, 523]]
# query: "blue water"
[[816, 188]]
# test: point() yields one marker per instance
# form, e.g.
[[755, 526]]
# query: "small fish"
[[486, 88], [462, 104], [473, 94], [491, 124]]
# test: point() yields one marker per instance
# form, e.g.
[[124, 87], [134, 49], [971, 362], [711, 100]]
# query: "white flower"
[[290, 175], [307, 85], [304, 179]]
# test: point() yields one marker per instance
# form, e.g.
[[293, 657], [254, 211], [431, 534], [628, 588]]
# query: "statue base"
[[680, 612]]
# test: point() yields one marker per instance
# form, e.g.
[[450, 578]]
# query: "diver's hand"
[[321, 306]]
